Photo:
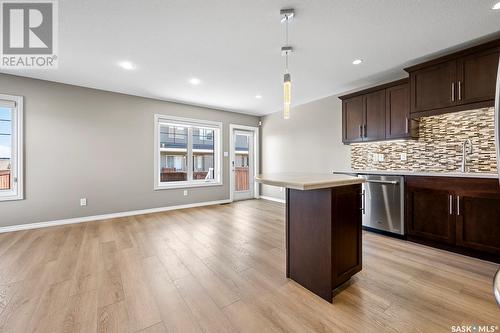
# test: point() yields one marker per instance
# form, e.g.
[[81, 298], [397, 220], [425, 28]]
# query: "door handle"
[[451, 204], [453, 91]]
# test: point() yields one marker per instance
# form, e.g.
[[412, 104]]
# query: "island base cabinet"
[[323, 237]]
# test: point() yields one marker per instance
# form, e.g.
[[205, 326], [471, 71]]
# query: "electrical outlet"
[[403, 156], [185, 193], [375, 157], [226, 154], [83, 202], [281, 189], [380, 157]]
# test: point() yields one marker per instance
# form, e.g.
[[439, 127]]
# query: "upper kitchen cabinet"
[[353, 110], [374, 126], [461, 81], [378, 113]]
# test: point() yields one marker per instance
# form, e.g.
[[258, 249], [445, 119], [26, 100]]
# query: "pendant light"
[[286, 16]]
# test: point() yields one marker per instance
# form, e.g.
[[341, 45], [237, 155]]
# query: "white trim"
[[272, 199], [217, 126], [106, 216], [17, 150], [256, 147]]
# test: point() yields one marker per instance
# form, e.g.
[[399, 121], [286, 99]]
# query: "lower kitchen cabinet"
[[458, 214]]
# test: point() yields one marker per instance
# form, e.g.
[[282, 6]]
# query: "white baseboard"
[[272, 199], [106, 216]]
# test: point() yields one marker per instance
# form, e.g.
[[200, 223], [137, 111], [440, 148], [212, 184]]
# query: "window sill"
[[13, 197], [185, 185]]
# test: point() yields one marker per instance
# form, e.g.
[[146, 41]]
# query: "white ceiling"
[[233, 46]]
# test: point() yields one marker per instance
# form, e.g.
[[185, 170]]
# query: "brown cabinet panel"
[[429, 214], [353, 119], [397, 112], [375, 116], [478, 222], [477, 77], [433, 87]]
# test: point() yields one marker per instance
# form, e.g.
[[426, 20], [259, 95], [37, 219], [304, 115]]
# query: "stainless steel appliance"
[[383, 203]]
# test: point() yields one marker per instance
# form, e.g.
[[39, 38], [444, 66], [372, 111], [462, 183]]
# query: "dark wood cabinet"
[[353, 116], [378, 113], [460, 81], [430, 214], [458, 214], [397, 112], [476, 77], [374, 127], [433, 87]]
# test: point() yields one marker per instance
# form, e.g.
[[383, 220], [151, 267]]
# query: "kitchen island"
[[323, 228]]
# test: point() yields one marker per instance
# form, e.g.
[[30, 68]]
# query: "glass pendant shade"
[[287, 96]]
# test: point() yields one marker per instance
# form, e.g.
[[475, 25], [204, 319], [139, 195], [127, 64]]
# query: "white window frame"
[[189, 123], [17, 151]]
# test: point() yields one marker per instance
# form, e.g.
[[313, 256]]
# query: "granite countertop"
[[307, 181], [420, 173]]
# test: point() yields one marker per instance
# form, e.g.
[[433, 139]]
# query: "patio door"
[[243, 163]]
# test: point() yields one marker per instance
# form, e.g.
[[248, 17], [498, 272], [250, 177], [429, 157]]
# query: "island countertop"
[[307, 181]]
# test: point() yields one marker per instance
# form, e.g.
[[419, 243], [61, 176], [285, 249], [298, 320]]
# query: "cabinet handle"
[[453, 91], [363, 201], [406, 128], [458, 205], [365, 129], [451, 204], [360, 131], [459, 90]]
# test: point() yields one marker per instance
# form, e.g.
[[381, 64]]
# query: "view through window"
[[188, 152], [5, 148]]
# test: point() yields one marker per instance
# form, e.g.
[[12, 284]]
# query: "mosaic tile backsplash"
[[439, 147]]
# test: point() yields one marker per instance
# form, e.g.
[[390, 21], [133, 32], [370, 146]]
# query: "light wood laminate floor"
[[222, 269]]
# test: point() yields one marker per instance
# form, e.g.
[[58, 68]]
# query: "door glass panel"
[[173, 153], [241, 163], [203, 154], [5, 148]]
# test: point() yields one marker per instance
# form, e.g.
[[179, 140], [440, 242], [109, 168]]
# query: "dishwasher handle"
[[389, 182]]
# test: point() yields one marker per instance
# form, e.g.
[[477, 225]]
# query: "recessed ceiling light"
[[357, 61], [496, 6], [126, 65], [194, 81], [258, 96]]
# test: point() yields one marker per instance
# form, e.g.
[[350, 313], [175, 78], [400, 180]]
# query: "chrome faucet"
[[465, 167]]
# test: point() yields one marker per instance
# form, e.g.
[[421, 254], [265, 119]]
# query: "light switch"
[[185, 193], [380, 157], [83, 202], [375, 157]]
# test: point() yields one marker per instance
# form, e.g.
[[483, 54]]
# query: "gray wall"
[[311, 141], [82, 142]]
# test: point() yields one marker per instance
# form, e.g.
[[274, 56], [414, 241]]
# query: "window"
[[11, 120], [187, 153]]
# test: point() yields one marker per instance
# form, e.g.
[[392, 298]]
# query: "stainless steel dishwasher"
[[383, 203]]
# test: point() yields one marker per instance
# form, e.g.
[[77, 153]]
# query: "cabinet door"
[[477, 76], [353, 118], [374, 116], [433, 87], [397, 111], [430, 214], [478, 222]]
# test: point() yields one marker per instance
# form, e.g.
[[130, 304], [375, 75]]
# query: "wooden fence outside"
[[241, 178], [5, 180]]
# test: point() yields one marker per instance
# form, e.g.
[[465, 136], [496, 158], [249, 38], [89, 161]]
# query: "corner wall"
[[81, 142], [311, 141]]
